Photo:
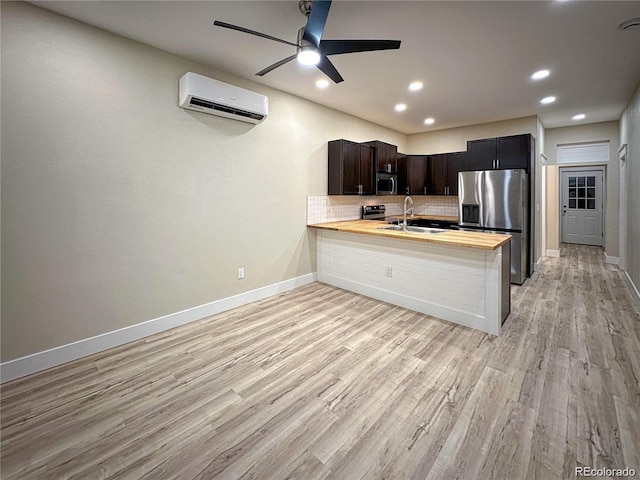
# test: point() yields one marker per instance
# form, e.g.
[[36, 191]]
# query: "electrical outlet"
[[240, 273], [388, 272]]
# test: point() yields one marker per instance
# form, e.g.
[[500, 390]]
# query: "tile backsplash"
[[334, 208]]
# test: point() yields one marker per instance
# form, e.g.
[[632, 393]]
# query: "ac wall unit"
[[207, 95]]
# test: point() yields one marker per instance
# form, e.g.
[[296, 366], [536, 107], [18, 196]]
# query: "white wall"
[[118, 206], [630, 135], [455, 139]]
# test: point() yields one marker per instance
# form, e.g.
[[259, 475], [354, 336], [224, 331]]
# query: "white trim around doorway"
[[583, 168]]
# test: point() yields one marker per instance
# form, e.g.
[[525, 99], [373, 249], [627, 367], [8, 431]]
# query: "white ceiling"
[[474, 58]]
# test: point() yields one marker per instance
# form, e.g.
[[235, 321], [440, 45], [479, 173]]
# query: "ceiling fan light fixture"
[[308, 55]]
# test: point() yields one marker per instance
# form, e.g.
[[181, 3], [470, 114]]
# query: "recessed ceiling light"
[[429, 121], [547, 100], [322, 83], [401, 107], [540, 74], [579, 116], [415, 86]]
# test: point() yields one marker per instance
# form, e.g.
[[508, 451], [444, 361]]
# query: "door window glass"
[[582, 192]]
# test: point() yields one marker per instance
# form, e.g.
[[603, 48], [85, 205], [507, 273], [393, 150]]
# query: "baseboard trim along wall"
[[37, 362], [553, 253], [633, 289], [611, 260]]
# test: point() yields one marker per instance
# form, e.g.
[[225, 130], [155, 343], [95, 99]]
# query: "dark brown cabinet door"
[[514, 152], [351, 170], [456, 162], [367, 170], [437, 174], [482, 154], [417, 166], [403, 177], [384, 156]]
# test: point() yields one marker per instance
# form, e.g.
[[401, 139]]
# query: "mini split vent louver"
[[207, 95]]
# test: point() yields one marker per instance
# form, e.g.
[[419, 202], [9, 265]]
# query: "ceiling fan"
[[311, 49]]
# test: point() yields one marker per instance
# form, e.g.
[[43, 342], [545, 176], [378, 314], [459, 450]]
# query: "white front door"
[[582, 207]]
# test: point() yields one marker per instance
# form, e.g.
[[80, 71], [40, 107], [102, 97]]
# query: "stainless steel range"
[[374, 212]]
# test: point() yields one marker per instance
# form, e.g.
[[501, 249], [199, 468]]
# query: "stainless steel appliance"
[[386, 183], [374, 212], [497, 201]]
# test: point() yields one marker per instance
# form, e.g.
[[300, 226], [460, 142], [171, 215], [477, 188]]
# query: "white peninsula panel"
[[461, 284]]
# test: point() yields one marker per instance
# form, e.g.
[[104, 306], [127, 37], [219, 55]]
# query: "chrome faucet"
[[406, 210]]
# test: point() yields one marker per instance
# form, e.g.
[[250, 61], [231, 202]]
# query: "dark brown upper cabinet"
[[437, 174], [401, 162], [417, 173], [351, 170], [500, 153], [384, 156], [442, 174], [456, 162]]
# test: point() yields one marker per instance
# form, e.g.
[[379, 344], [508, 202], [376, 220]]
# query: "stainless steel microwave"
[[386, 184]]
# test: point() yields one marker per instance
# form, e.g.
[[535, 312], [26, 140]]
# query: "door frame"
[[622, 156], [543, 205], [583, 168]]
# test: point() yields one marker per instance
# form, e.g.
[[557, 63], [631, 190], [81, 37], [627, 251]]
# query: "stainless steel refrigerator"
[[497, 201]]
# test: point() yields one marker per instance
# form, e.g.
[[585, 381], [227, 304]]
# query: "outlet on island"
[[240, 273], [388, 272]]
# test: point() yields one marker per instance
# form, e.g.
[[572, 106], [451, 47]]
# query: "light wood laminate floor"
[[321, 383]]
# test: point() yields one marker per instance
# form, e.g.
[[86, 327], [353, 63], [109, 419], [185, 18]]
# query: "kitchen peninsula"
[[459, 276]]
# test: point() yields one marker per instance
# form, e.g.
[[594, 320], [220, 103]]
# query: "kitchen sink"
[[424, 230]]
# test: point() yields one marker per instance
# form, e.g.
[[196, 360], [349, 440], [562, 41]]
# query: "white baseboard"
[[553, 253], [635, 294], [536, 265], [611, 260], [37, 362]]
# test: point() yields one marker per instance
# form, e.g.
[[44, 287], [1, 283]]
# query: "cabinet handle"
[[359, 189], [424, 190], [498, 162]]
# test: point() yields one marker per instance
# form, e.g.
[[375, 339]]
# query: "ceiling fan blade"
[[329, 70], [336, 47], [275, 65], [251, 32], [316, 21]]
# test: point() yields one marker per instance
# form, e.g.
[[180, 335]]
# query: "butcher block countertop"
[[483, 241]]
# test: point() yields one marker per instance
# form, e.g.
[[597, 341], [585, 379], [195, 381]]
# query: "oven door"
[[386, 184]]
